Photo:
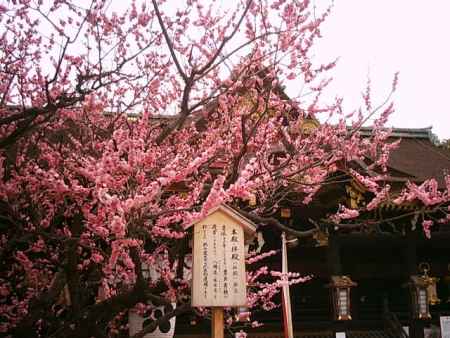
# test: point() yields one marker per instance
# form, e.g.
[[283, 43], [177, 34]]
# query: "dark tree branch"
[[169, 41], [276, 223], [225, 40]]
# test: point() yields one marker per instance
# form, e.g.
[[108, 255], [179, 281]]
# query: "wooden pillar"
[[334, 257], [217, 322], [416, 329], [334, 265], [410, 253], [416, 326]]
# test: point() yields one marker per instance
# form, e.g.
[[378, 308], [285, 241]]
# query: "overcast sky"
[[380, 37]]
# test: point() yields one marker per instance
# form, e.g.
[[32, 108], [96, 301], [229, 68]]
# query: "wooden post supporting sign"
[[218, 263], [217, 322]]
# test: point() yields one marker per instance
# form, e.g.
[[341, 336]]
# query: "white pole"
[[286, 298]]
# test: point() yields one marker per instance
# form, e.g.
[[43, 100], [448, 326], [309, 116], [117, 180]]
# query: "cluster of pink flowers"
[[257, 257], [344, 213], [427, 193]]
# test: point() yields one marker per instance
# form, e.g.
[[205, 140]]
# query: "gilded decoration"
[[308, 125], [342, 282], [355, 194]]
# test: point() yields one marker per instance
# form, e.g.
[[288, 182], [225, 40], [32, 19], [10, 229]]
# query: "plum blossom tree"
[[120, 126]]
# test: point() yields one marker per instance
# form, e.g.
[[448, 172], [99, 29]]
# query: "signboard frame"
[[222, 215], [221, 236]]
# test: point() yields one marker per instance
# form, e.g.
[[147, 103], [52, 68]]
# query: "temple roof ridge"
[[423, 133]]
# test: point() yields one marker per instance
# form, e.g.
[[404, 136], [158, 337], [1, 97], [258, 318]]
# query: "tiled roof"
[[421, 159], [423, 133], [417, 158]]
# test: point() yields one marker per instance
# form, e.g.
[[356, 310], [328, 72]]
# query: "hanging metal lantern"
[[419, 294], [432, 281], [340, 292]]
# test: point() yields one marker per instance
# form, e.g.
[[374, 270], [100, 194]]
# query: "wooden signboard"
[[218, 271]]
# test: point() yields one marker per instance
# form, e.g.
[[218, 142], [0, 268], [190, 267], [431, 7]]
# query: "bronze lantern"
[[340, 293], [431, 281], [423, 293], [419, 294]]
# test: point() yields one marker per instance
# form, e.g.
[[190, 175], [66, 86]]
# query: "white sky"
[[380, 37]]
